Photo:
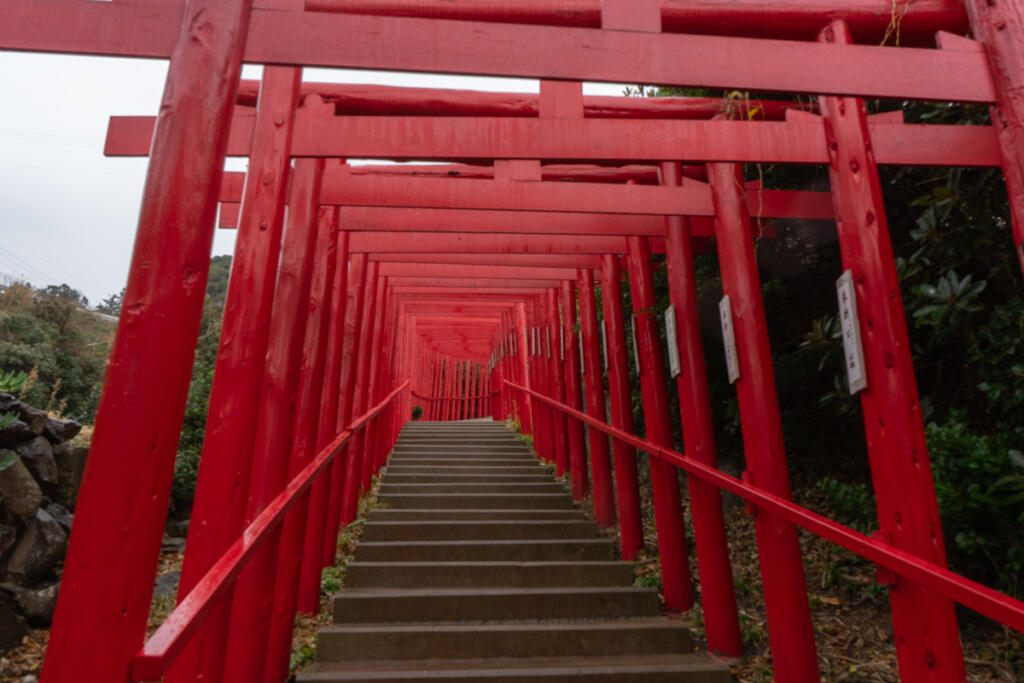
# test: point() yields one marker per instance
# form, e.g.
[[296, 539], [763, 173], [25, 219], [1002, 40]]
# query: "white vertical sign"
[[732, 361], [853, 350], [636, 349], [673, 344], [604, 344]]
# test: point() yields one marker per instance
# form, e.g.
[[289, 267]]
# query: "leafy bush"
[[979, 483]]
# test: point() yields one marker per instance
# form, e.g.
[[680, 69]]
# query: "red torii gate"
[[206, 42]]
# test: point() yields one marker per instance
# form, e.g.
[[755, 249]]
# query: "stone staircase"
[[482, 569]]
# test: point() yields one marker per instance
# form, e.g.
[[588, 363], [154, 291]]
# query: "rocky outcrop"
[[40, 474]]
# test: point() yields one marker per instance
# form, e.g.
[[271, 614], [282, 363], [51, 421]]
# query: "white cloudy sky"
[[67, 214]]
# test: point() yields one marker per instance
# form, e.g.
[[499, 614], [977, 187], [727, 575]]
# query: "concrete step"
[[492, 604], [388, 488], [477, 500], [435, 477], [479, 530], [503, 461], [463, 454], [485, 470], [559, 549], [474, 640], [670, 668], [496, 515], [487, 574]]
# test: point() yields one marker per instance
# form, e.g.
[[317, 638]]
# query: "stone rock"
[[13, 626], [176, 528], [166, 585], [38, 550], [8, 535], [20, 493], [61, 514], [37, 604], [8, 402], [15, 434], [37, 455], [70, 467], [59, 431], [33, 417], [172, 545]]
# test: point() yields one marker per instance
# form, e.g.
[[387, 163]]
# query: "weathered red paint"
[[600, 458], [925, 627], [791, 19], [275, 423], [668, 509], [785, 593], [718, 598], [234, 398], [162, 308], [627, 487], [309, 590]]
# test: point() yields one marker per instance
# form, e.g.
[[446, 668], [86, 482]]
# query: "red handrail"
[[156, 656], [982, 599]]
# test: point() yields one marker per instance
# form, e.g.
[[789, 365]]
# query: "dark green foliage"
[[112, 304], [186, 466], [417, 412], [979, 482], [49, 335]]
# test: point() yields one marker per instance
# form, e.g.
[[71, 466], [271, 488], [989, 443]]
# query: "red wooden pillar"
[[360, 401], [522, 349], [234, 398], [128, 477], [340, 467], [789, 619], [435, 387], [718, 596], [373, 373], [573, 393], [600, 458], [999, 25], [556, 370], [312, 380], [627, 485], [668, 509], [309, 590], [254, 589], [542, 423], [924, 623]]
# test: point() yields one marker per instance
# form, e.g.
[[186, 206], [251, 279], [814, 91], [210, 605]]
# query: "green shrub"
[[979, 483]]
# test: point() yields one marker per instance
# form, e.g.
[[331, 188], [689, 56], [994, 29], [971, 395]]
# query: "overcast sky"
[[67, 213]]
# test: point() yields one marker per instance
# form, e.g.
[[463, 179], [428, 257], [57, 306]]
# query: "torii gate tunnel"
[[456, 287]]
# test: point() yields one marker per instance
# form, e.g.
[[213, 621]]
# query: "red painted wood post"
[[373, 378], [600, 458], [354, 291], [309, 591], [254, 589], [128, 476], [523, 361], [547, 381], [435, 387], [668, 509], [541, 414], [573, 393], [999, 25], [627, 485], [924, 624], [790, 630], [360, 399], [556, 371], [224, 465], [312, 380], [718, 597]]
